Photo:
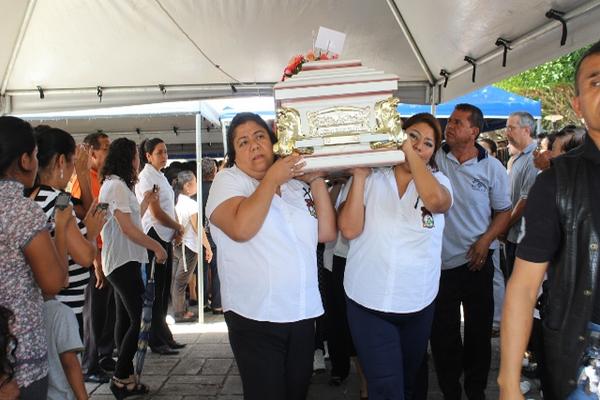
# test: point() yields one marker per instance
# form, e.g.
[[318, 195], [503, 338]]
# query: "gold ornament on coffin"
[[288, 131], [388, 121]]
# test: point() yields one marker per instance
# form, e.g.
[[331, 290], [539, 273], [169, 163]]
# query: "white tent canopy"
[[143, 51]]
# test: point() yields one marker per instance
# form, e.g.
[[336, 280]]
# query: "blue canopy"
[[496, 104]]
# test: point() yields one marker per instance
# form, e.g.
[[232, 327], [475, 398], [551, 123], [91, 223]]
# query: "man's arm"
[[517, 212], [515, 328], [72, 369], [479, 250]]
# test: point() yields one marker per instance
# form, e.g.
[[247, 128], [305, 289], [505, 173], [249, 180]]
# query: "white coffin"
[[339, 114]]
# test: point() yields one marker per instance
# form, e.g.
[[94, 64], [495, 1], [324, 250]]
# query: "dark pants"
[[160, 334], [99, 322], [129, 293], [510, 249], [339, 340], [212, 286], [474, 290], [36, 391], [390, 348], [274, 359]]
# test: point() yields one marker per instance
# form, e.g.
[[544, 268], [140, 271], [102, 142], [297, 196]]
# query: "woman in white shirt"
[[185, 255], [394, 220], [123, 251], [266, 225], [160, 223]]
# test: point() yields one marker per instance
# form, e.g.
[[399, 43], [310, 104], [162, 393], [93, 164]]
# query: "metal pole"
[[200, 225]]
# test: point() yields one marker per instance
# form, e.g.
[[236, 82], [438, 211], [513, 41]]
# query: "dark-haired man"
[[99, 308], [562, 240], [480, 185]]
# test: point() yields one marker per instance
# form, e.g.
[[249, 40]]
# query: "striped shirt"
[[73, 295]]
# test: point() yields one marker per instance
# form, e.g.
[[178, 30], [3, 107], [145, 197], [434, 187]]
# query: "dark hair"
[[148, 146], [119, 161], [16, 139], [595, 49], [551, 139], [574, 141], [53, 142], [209, 168], [182, 178], [434, 124], [8, 343], [93, 139], [490, 143], [239, 119], [475, 117]]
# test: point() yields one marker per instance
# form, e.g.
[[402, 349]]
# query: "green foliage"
[[551, 83]]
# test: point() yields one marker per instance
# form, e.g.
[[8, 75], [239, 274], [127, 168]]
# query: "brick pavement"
[[206, 370]]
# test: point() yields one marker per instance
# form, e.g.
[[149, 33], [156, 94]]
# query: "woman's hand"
[[62, 217], [312, 176], [9, 390], [360, 172], [285, 169], [94, 220], [208, 254]]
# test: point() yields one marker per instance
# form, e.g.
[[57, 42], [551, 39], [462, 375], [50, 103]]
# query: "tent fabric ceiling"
[[129, 48]]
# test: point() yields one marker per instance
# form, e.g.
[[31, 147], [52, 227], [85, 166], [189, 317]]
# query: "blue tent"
[[496, 105]]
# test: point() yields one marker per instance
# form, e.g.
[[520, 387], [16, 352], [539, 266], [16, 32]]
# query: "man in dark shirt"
[[545, 236]]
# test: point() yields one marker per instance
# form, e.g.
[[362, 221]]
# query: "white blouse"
[[185, 209], [394, 264], [117, 248], [273, 276], [149, 177]]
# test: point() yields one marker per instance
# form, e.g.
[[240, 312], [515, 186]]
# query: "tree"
[[552, 84]]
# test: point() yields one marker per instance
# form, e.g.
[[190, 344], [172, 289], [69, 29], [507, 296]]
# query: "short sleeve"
[[116, 194], [29, 227], [499, 190], [529, 175], [144, 184], [66, 330], [226, 185], [542, 222], [445, 182]]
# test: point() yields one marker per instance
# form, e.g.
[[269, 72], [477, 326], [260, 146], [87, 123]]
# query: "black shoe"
[[98, 377], [176, 345], [108, 364], [217, 311], [164, 350], [121, 389]]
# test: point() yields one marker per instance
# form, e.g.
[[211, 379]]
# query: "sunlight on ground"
[[209, 327]]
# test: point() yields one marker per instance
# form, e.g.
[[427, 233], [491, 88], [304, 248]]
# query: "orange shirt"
[[95, 184]]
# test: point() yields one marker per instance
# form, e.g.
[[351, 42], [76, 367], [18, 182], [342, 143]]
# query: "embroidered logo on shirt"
[[310, 203], [476, 184], [427, 218]]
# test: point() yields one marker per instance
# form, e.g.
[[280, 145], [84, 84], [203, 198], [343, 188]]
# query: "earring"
[[62, 174]]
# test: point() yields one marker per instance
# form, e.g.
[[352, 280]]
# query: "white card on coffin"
[[330, 40]]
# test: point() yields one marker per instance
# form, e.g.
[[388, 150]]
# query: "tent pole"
[[18, 44], [200, 289], [411, 40]]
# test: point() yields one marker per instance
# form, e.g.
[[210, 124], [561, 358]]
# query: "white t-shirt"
[[117, 248], [394, 264], [339, 246], [149, 177], [272, 276], [185, 209]]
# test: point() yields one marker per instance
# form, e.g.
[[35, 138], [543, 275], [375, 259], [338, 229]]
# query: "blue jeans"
[[580, 393]]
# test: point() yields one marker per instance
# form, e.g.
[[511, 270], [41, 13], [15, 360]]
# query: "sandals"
[[122, 389]]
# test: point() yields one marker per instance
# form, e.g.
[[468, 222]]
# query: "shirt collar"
[[481, 152], [12, 187], [590, 151], [152, 170], [531, 147]]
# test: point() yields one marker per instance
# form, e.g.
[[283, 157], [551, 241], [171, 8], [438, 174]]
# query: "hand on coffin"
[[285, 169], [360, 172]]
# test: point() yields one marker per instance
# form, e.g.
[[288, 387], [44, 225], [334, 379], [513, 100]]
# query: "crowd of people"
[[412, 253]]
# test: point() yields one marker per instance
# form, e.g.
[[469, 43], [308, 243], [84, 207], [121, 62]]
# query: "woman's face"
[[159, 156], [253, 149], [422, 137], [190, 188]]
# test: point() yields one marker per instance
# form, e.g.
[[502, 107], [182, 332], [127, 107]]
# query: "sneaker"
[[318, 361]]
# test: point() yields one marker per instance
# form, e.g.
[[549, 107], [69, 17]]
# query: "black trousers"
[[98, 322], [214, 289], [339, 339], [129, 300], [510, 254], [160, 334], [453, 356], [274, 359]]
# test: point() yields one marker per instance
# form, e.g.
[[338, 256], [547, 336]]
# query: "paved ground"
[[205, 370]]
